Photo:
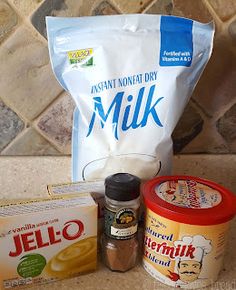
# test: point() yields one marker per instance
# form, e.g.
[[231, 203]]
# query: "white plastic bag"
[[131, 77]]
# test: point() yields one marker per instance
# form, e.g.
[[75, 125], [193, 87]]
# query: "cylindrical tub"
[[186, 225]]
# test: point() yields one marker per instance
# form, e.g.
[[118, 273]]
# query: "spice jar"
[[120, 241]]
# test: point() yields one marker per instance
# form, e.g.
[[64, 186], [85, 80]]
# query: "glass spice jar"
[[120, 240]]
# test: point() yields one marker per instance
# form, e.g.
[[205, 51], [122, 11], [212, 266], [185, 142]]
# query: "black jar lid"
[[122, 186]]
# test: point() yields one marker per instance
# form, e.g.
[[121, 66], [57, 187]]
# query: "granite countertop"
[[28, 176]]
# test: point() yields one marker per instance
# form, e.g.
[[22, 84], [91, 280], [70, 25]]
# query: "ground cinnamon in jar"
[[120, 241], [121, 255]]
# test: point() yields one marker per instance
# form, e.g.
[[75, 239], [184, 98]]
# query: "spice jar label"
[[122, 224]]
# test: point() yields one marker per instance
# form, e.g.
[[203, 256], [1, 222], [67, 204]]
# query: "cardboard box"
[[96, 188], [44, 240]]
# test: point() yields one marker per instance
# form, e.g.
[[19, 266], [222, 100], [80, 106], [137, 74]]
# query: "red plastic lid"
[[189, 200]]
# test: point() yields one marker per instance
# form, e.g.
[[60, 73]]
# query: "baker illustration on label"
[[187, 269]]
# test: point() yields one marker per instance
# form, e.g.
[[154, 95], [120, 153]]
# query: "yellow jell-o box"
[[44, 240]]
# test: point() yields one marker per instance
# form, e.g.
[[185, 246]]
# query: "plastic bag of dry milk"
[[131, 77]]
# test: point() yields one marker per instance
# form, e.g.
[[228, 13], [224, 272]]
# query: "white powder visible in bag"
[[142, 165]]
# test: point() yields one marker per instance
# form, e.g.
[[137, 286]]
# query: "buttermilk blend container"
[[186, 225]]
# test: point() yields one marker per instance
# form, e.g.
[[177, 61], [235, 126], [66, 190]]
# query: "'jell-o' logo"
[[36, 239]]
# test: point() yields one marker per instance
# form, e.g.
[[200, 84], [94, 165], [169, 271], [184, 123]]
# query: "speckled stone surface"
[[25, 145], [104, 8], [10, 125], [33, 67], [8, 19], [224, 12], [134, 6], [56, 123], [225, 125], [28, 177]]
